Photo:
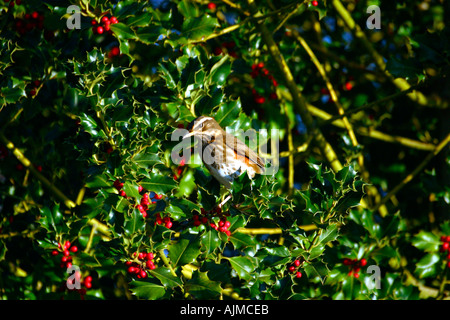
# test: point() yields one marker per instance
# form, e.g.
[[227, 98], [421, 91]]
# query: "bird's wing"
[[250, 157]]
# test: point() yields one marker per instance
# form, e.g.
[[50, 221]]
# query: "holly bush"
[[93, 206]]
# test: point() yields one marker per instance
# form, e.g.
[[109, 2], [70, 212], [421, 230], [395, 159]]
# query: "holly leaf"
[[147, 289], [201, 287], [426, 241], [185, 250]]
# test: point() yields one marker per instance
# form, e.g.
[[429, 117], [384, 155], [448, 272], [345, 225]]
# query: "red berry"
[[260, 99], [227, 224], [113, 20], [168, 224], [315, 3], [66, 253], [362, 262], [260, 65], [297, 263], [123, 193], [356, 275], [131, 269], [67, 245], [35, 15], [106, 25], [93, 22], [99, 30], [348, 86], [55, 252], [447, 239], [150, 256], [291, 268], [298, 274], [347, 262], [445, 246], [105, 19], [197, 223], [273, 96], [228, 233], [143, 274], [212, 6]]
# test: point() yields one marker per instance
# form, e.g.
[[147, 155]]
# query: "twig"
[[330, 88], [27, 163], [373, 133], [298, 100], [414, 173], [400, 83]]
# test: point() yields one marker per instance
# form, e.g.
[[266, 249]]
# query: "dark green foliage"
[[88, 119]]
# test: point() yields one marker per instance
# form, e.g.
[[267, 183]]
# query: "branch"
[[27, 163], [400, 83], [416, 171], [375, 134], [298, 100]]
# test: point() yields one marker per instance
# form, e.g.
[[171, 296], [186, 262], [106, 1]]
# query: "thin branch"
[[400, 83], [415, 172], [330, 88], [375, 134], [297, 98], [27, 163]]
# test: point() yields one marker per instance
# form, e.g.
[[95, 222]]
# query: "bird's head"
[[205, 128]]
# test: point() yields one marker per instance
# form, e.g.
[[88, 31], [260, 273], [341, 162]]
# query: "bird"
[[224, 155]]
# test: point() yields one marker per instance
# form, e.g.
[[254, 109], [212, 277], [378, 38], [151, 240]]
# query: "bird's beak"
[[189, 134]]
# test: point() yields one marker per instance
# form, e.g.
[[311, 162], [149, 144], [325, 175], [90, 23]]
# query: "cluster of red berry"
[[294, 268], [445, 248], [12, 3], [34, 86], [228, 47], [163, 220], [354, 266], [87, 283], [179, 169], [259, 70], [66, 250], [29, 22], [119, 185], [146, 200], [203, 218], [104, 25], [141, 262]]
